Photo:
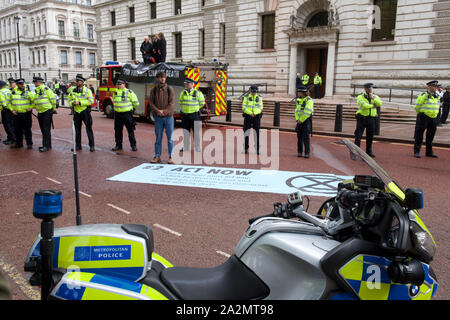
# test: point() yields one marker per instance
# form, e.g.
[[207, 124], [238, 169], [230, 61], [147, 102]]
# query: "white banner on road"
[[270, 181]]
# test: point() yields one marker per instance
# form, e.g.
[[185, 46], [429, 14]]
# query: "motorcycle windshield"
[[392, 186]]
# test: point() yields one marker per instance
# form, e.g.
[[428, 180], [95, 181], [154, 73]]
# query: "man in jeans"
[[162, 106]]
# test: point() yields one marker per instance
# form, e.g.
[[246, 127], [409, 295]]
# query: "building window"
[[113, 18], [92, 59], [114, 50], [45, 56], [133, 48], [178, 45], [74, 1], [177, 7], [34, 58], [203, 2], [153, 10], [385, 15], [131, 12], [39, 56], [61, 30], [88, 2], [78, 60], [222, 38], [202, 42], [63, 56], [65, 77], [268, 31], [76, 30], [90, 30], [318, 20]]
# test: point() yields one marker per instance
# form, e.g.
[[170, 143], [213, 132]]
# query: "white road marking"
[[83, 193], [118, 208], [168, 230], [16, 173], [53, 180], [18, 213], [223, 253]]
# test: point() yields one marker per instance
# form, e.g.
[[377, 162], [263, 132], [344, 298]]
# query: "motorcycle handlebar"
[[349, 198]]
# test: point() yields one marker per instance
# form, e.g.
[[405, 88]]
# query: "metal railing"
[[231, 88], [410, 90]]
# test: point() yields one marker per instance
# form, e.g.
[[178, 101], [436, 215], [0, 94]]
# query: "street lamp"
[[17, 20]]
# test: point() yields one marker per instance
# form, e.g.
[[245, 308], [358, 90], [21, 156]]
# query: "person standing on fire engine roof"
[[365, 117], [125, 101], [303, 112], [80, 100], [191, 102], [252, 108]]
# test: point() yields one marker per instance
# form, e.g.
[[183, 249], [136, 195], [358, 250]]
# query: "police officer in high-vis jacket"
[[427, 108], [125, 101], [303, 113], [191, 102], [252, 108], [7, 115], [80, 100], [21, 103], [45, 104], [365, 116]]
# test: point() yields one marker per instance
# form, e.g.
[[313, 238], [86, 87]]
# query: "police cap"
[[40, 79], [368, 85], [120, 81], [12, 80], [254, 88], [188, 80], [2, 83], [302, 89], [433, 83], [20, 81], [80, 78]]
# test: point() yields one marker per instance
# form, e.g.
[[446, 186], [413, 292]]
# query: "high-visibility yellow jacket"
[[192, 101], [305, 79], [428, 104], [83, 95], [20, 101], [304, 109], [125, 100], [252, 104], [44, 99], [5, 98], [367, 108], [318, 80]]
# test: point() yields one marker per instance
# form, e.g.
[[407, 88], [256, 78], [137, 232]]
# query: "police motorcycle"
[[368, 242]]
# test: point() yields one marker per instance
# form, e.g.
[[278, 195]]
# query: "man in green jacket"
[[125, 101], [81, 100], [21, 103], [365, 117], [303, 112], [7, 115], [45, 104], [427, 108]]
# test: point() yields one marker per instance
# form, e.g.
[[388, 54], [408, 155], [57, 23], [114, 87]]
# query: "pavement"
[[195, 227]]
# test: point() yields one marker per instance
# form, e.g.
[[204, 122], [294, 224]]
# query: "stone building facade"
[[392, 43], [57, 39]]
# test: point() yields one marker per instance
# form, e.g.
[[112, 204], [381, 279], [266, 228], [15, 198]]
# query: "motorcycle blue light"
[[47, 204]]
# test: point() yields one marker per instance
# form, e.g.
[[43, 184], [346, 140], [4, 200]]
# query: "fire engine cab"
[[209, 78]]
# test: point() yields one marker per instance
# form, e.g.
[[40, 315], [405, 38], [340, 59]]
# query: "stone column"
[[293, 68], [330, 68]]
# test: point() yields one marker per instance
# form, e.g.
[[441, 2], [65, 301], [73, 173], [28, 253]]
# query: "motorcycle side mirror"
[[414, 198]]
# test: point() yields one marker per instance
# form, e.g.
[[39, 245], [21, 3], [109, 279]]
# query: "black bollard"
[[377, 122], [338, 119], [228, 117], [276, 114], [62, 99]]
